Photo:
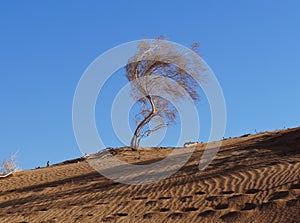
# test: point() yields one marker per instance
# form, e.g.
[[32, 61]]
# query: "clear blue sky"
[[45, 46]]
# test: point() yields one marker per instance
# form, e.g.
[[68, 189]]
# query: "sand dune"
[[254, 178]]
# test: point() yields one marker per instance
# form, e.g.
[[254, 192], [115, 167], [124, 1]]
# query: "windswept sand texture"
[[255, 178]]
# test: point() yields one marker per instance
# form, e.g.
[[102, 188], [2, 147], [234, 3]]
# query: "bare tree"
[[160, 68]]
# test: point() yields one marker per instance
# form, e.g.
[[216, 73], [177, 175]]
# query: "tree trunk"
[[135, 141]]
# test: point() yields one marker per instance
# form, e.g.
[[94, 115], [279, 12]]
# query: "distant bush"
[[9, 166]]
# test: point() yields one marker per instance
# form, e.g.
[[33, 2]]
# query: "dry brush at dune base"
[[254, 178]]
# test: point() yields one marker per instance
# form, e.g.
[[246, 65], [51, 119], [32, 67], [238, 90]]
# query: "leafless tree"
[[157, 68]]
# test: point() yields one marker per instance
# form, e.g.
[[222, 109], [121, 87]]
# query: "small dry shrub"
[[9, 165]]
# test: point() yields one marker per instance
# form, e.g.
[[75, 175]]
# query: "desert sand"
[[254, 178]]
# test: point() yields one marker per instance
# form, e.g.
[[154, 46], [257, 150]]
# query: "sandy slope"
[[254, 178]]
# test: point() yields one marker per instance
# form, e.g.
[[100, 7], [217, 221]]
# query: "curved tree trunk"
[[135, 141]]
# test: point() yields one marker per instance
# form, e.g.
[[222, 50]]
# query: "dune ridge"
[[254, 178]]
